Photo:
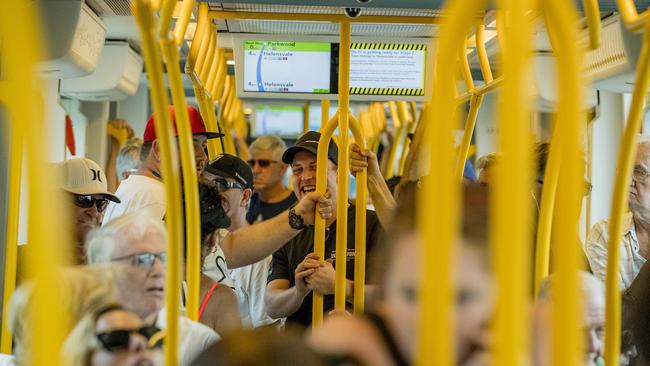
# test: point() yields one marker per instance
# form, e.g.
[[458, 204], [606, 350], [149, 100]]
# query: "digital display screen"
[[287, 67], [281, 120], [387, 69]]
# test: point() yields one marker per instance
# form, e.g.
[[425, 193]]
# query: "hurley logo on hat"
[[85, 177]]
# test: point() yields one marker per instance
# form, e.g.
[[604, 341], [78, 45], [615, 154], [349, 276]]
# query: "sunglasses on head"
[[120, 339], [264, 163], [144, 260], [87, 201]]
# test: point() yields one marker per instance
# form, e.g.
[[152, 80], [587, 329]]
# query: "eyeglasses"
[[87, 201], [640, 174], [263, 163], [223, 184], [144, 260], [118, 340]]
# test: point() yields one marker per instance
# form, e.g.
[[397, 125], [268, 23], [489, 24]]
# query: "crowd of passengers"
[[259, 270]]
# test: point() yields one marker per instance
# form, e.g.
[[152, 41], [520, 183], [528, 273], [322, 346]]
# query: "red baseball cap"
[[196, 124]]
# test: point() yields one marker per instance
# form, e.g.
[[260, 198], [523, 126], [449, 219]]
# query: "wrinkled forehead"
[[140, 240]]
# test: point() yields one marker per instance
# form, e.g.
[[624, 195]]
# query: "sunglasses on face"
[[87, 201], [223, 185], [144, 260], [119, 340], [263, 163]]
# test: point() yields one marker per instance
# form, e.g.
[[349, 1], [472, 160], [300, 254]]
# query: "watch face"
[[295, 221]]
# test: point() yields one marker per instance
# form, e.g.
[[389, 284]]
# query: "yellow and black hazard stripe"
[[388, 46], [387, 91]]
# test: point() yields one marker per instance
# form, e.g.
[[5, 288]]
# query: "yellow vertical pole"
[[566, 338], [438, 215], [183, 21], [16, 145], [206, 64], [20, 90], [410, 128], [327, 129], [343, 163], [324, 112], [511, 211], [592, 12], [305, 117], [399, 130], [619, 200], [360, 225], [170, 170], [474, 107]]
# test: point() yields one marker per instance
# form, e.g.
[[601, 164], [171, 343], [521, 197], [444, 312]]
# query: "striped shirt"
[[630, 262]]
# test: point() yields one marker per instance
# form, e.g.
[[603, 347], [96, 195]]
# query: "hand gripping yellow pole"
[[510, 211], [566, 338], [19, 91], [438, 209], [170, 170], [343, 164], [16, 144], [188, 167], [619, 200], [327, 130]]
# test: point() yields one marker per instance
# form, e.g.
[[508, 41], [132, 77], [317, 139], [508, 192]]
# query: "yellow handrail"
[[305, 117], [47, 322], [324, 112], [203, 20], [343, 163], [486, 70], [201, 59], [592, 12], [634, 21], [182, 21], [510, 209], [438, 218], [327, 130], [170, 170], [399, 130], [566, 338], [165, 21], [619, 200], [214, 70], [470, 123], [209, 56], [464, 68]]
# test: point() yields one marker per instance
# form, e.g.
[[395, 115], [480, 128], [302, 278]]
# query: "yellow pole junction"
[[343, 164], [567, 339], [619, 200], [438, 218], [510, 210], [47, 323], [634, 21], [170, 170]]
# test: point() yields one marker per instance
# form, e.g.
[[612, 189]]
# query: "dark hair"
[[541, 157], [145, 149], [213, 216]]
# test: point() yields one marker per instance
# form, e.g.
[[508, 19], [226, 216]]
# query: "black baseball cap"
[[309, 141], [230, 166]]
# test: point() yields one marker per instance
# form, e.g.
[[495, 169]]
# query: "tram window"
[[281, 120]]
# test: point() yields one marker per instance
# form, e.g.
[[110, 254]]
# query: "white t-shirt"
[[250, 286], [138, 192], [193, 338], [214, 264]]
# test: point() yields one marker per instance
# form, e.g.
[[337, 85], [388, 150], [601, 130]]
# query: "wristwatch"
[[295, 221]]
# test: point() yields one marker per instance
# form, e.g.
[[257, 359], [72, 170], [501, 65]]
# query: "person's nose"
[[199, 153], [137, 343], [593, 341], [158, 268]]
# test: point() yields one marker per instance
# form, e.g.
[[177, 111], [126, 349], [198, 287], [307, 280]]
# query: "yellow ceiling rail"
[[182, 21], [634, 21], [335, 18], [438, 218], [343, 163], [16, 145], [47, 322], [170, 170], [619, 201], [510, 209], [327, 130], [566, 338], [592, 12]]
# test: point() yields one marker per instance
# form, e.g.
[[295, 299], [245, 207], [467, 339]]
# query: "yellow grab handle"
[[165, 21], [199, 36], [324, 113], [209, 57], [170, 170], [619, 202], [634, 21], [327, 130], [190, 181], [592, 12], [182, 21], [486, 70], [392, 152], [464, 68], [474, 107]]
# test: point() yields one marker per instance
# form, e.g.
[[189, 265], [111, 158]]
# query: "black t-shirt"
[[287, 259], [267, 210]]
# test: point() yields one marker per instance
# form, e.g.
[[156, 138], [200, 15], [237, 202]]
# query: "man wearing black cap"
[[233, 178], [296, 270]]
